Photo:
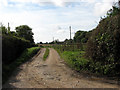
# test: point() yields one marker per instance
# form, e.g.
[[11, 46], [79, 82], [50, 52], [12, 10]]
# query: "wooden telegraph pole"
[[8, 28], [70, 35], [70, 32], [53, 39]]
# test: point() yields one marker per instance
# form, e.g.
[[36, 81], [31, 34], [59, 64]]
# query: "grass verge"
[[75, 59], [7, 70], [46, 54]]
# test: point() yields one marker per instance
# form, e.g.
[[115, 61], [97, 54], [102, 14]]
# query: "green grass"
[[7, 70], [46, 54], [75, 59]]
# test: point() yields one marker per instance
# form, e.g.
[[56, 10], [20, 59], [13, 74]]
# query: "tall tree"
[[25, 31], [3, 29], [81, 37]]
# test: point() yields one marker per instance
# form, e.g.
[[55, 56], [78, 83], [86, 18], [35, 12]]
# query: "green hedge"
[[7, 70], [104, 46], [12, 47]]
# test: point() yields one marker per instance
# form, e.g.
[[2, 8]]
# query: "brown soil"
[[52, 73]]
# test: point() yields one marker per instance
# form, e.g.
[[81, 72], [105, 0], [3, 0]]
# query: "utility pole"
[[53, 39], [70, 32], [8, 28]]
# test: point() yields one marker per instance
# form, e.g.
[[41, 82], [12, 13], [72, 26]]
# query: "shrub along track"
[[52, 73]]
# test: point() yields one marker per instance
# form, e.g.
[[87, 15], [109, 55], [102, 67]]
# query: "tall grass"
[[75, 59]]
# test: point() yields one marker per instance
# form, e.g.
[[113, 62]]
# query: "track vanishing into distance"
[[52, 73]]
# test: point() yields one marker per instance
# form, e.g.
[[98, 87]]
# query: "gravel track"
[[52, 73]]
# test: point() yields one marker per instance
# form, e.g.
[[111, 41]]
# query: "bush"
[[81, 36], [104, 45]]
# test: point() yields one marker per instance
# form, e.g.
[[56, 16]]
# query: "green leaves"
[[114, 11], [81, 36], [3, 29], [104, 46], [25, 31]]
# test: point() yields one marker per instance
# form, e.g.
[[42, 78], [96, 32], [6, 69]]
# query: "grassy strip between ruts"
[[46, 54], [7, 70]]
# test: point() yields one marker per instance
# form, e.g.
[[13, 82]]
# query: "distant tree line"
[[80, 37]]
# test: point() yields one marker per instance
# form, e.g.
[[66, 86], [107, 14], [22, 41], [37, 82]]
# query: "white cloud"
[[3, 3], [61, 31], [22, 1], [89, 1], [45, 22], [102, 7], [60, 3]]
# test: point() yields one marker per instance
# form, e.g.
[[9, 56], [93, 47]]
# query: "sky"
[[52, 18]]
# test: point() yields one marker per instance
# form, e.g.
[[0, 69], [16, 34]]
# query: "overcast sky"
[[52, 18]]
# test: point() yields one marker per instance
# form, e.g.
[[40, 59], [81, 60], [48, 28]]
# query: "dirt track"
[[52, 73]]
